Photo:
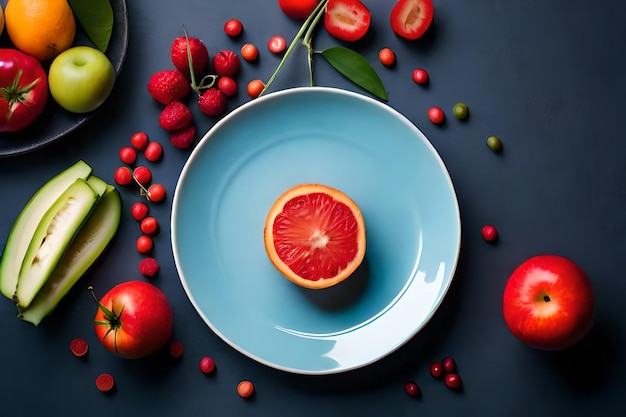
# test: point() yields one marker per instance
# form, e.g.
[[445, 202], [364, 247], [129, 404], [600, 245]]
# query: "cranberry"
[[139, 211], [227, 85], [412, 389], [233, 27], [156, 193], [436, 370], [249, 52], [420, 76], [489, 233], [123, 176], [207, 365], [176, 349], [142, 175], [128, 155], [144, 244], [387, 57], [149, 226], [453, 381], [449, 365], [436, 115], [277, 44], [139, 140], [153, 151], [245, 389]]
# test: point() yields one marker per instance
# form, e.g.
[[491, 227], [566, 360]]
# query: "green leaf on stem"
[[96, 19], [357, 69]]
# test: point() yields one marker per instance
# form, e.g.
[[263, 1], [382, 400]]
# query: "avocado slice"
[[90, 242], [26, 223], [53, 236]]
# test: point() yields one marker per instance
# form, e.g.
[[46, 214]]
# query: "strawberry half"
[[199, 55], [347, 20]]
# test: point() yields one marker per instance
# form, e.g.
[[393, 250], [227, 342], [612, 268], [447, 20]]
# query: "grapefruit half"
[[315, 235]]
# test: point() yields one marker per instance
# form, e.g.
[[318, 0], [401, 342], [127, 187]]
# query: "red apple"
[[548, 302]]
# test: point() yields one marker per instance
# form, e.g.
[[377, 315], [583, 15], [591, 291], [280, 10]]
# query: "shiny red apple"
[[549, 302]]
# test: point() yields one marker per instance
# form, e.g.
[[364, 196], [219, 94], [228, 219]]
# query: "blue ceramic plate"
[[344, 140]]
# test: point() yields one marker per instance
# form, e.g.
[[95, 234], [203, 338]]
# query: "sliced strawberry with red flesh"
[[347, 20], [411, 18]]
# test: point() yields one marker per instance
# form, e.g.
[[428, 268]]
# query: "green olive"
[[460, 111], [494, 143]]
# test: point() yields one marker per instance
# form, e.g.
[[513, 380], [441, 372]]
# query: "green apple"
[[81, 79]]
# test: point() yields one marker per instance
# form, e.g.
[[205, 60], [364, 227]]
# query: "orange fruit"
[[42, 28], [315, 235]]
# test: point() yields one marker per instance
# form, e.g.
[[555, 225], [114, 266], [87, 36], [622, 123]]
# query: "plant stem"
[[308, 42], [307, 27]]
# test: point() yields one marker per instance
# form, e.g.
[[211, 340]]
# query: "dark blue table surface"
[[548, 78]]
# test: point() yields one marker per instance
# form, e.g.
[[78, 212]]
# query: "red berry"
[[233, 27], [128, 155], [168, 85], [448, 364], [255, 87], [436, 370], [148, 267], [123, 176], [226, 63], [453, 381], [387, 57], [149, 226], [227, 85], [212, 102], [144, 244], [142, 175], [199, 55], [174, 116], [153, 151], [412, 389], [277, 44], [420, 76], [176, 349], [139, 211], [207, 365], [436, 115], [105, 382], [249, 52], [184, 137], [489, 233], [79, 346], [156, 193], [245, 389], [139, 140]]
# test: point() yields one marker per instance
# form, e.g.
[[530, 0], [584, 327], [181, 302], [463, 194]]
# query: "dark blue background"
[[547, 77]]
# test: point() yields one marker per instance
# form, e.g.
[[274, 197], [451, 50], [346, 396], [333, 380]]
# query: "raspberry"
[[167, 86], [175, 115], [226, 63], [183, 138], [148, 267], [212, 102]]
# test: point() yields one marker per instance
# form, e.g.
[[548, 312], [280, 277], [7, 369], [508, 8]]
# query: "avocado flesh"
[[27, 221], [90, 242], [53, 235]]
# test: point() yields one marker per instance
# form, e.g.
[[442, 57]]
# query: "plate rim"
[[273, 96]]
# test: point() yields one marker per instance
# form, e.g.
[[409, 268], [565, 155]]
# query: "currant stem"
[[306, 29]]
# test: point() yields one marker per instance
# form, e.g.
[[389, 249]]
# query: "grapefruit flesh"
[[315, 235]]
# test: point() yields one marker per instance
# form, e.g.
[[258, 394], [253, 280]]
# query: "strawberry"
[[175, 115], [168, 85], [212, 102], [183, 138], [226, 63], [199, 55]]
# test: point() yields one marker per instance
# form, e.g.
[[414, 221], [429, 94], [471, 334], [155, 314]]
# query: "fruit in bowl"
[[315, 235], [81, 79], [549, 302]]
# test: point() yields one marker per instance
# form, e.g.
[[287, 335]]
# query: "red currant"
[[144, 244], [139, 140], [436, 115], [489, 233], [227, 85], [436, 370], [453, 381], [128, 155], [412, 389], [420, 76], [149, 226], [233, 27], [139, 211], [387, 57], [142, 175], [123, 176], [156, 193], [207, 365], [153, 151], [277, 44]]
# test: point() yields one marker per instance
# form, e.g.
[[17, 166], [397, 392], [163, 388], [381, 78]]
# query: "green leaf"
[[96, 18], [357, 69]]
